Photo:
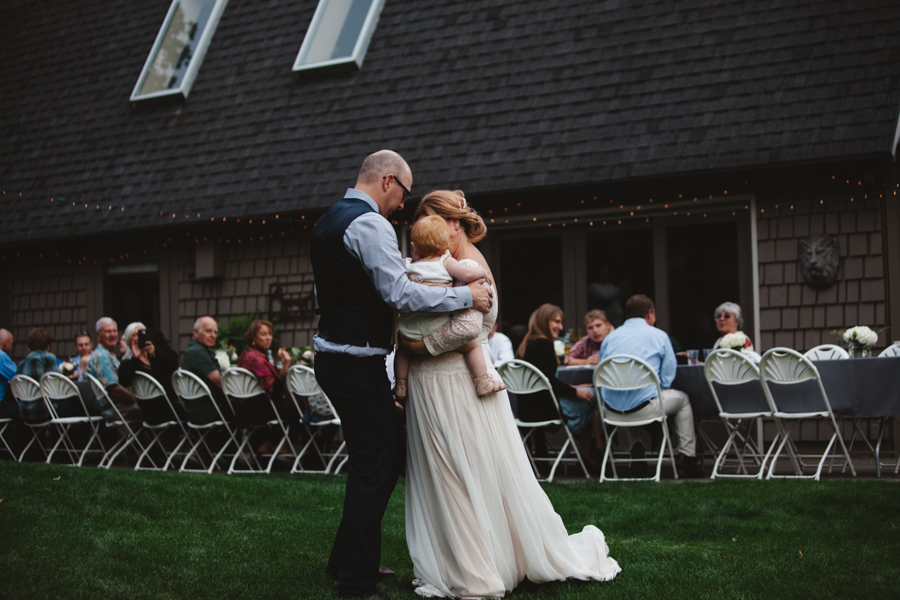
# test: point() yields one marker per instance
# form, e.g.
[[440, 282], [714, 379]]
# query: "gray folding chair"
[[191, 390], [781, 367], [152, 399], [301, 382], [241, 385], [827, 352], [623, 372], [56, 388], [735, 375], [129, 435], [27, 393], [523, 378]]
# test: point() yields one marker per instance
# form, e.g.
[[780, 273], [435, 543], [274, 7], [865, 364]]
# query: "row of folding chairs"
[[731, 377], [163, 440], [58, 407], [748, 457]]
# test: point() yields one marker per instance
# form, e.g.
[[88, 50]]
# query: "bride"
[[477, 521]]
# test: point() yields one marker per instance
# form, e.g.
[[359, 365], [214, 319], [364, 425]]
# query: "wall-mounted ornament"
[[819, 261]]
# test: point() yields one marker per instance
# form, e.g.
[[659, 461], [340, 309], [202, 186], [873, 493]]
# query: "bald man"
[[360, 281]]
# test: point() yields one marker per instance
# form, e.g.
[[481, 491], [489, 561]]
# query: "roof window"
[[179, 49], [339, 34]]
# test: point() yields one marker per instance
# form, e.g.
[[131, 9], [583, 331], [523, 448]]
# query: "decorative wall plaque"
[[819, 261]]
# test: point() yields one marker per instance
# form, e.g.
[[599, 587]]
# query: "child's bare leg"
[[401, 372], [474, 358], [484, 383]]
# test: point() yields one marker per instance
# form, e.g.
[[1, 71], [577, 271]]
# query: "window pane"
[[178, 45], [531, 275], [337, 30], [619, 265], [703, 273]]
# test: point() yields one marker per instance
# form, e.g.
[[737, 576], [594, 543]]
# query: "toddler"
[[434, 266]]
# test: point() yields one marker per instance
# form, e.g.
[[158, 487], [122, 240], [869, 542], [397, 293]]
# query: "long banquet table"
[[857, 387]]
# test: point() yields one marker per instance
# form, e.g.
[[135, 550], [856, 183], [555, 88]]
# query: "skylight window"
[[179, 49], [339, 34]]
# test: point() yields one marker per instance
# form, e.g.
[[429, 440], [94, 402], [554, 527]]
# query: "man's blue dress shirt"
[[636, 338], [7, 372]]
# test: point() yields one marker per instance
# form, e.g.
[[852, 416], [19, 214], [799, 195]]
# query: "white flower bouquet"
[[734, 341], [67, 369], [559, 347], [223, 359], [861, 335]]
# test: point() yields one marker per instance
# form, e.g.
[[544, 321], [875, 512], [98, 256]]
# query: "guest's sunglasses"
[[406, 192]]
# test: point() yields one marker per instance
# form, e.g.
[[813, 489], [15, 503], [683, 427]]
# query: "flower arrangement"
[[734, 341], [67, 369], [859, 340], [302, 356], [559, 346], [226, 355]]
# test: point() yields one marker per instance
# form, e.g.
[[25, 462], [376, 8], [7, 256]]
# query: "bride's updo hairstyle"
[[452, 205], [539, 325]]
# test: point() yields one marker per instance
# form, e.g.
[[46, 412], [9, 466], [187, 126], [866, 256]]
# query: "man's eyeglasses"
[[406, 192]]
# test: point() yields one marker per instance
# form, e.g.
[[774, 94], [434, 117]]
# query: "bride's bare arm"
[[462, 327]]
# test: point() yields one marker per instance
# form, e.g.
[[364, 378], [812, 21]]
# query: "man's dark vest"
[[351, 311]]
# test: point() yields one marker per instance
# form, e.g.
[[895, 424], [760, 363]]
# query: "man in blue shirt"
[[638, 337], [8, 406]]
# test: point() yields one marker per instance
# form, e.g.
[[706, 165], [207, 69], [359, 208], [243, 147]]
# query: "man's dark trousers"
[[361, 393]]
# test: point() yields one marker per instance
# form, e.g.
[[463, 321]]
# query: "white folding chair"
[[27, 393], [118, 422], [523, 378], [731, 369], [56, 387], [623, 372], [827, 352], [301, 382], [152, 399], [785, 367], [4, 424], [242, 385], [191, 390], [892, 350]]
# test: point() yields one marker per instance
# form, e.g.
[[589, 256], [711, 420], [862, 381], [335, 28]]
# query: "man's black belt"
[[630, 410]]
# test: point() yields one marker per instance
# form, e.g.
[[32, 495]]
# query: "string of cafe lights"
[[690, 208]]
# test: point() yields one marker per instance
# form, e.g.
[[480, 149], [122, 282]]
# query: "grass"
[[89, 533]]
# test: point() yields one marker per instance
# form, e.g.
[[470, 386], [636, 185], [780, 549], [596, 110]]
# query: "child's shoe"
[[400, 389], [486, 385]]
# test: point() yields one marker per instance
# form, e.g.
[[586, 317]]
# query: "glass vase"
[[857, 350]]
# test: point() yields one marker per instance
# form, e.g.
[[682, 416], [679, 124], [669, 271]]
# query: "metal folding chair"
[[523, 378], [151, 396], [827, 352], [735, 372], [782, 367], [242, 385], [623, 372], [55, 387], [301, 382], [118, 422], [27, 393], [190, 389], [4, 424]]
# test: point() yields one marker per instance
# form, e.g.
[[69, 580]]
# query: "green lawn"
[[89, 533]]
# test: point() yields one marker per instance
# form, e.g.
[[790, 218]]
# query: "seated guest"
[[586, 351], [730, 320], [638, 337], [155, 358], [258, 411], [577, 404], [82, 358], [8, 407], [40, 360], [104, 366], [200, 360], [500, 347]]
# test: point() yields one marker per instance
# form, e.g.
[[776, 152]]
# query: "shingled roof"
[[491, 96]]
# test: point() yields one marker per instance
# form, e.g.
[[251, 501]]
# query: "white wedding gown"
[[477, 521]]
